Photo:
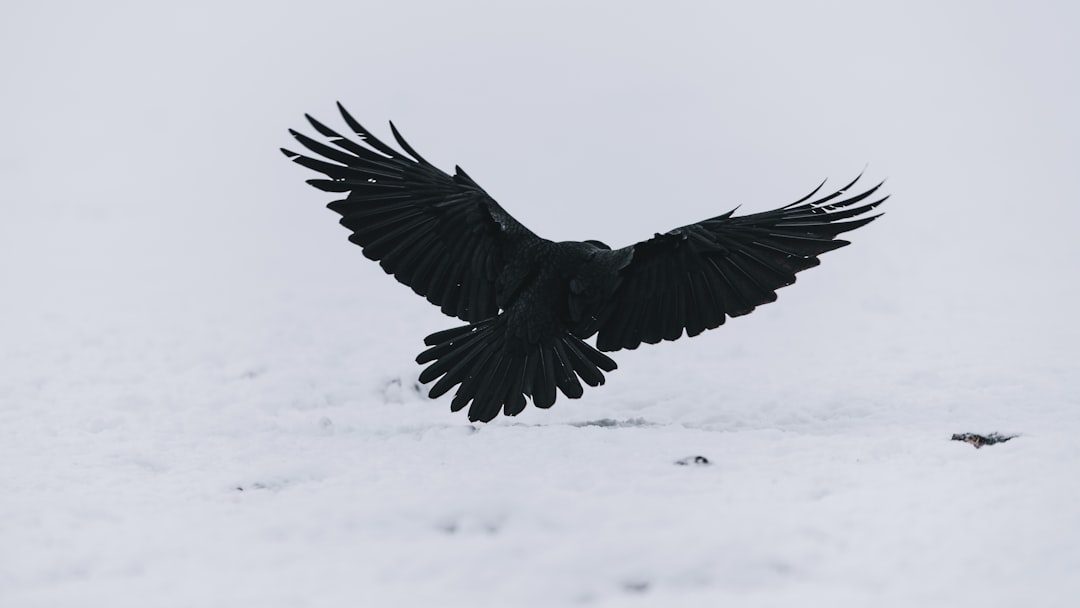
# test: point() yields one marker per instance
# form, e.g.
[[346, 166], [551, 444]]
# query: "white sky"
[[585, 119]]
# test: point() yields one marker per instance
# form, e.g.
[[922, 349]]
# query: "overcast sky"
[[140, 165]]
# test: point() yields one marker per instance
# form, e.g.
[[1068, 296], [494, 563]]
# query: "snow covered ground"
[[207, 395]]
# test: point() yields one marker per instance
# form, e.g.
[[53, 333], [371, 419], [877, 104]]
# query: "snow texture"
[[207, 395]]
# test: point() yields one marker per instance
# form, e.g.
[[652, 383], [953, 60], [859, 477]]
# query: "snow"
[[208, 395]]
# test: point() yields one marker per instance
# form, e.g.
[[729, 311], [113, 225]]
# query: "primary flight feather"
[[530, 303]]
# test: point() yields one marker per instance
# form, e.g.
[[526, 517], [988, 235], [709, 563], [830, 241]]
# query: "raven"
[[529, 302]]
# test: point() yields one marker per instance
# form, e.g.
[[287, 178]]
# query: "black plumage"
[[529, 302]]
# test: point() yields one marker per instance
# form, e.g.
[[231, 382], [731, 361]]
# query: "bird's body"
[[531, 303]]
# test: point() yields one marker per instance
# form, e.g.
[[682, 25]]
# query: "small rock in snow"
[[980, 440]]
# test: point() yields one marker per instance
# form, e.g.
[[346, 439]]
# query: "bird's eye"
[[371, 180]]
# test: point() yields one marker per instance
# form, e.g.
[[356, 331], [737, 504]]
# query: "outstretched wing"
[[442, 236], [693, 277]]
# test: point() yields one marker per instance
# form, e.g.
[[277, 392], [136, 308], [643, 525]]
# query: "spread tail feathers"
[[497, 373]]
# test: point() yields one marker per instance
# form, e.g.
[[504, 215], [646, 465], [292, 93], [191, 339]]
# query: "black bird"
[[529, 302]]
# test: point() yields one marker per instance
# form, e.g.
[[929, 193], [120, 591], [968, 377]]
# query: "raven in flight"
[[529, 302]]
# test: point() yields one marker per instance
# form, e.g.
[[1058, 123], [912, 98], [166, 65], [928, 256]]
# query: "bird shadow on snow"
[[474, 428], [611, 423]]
